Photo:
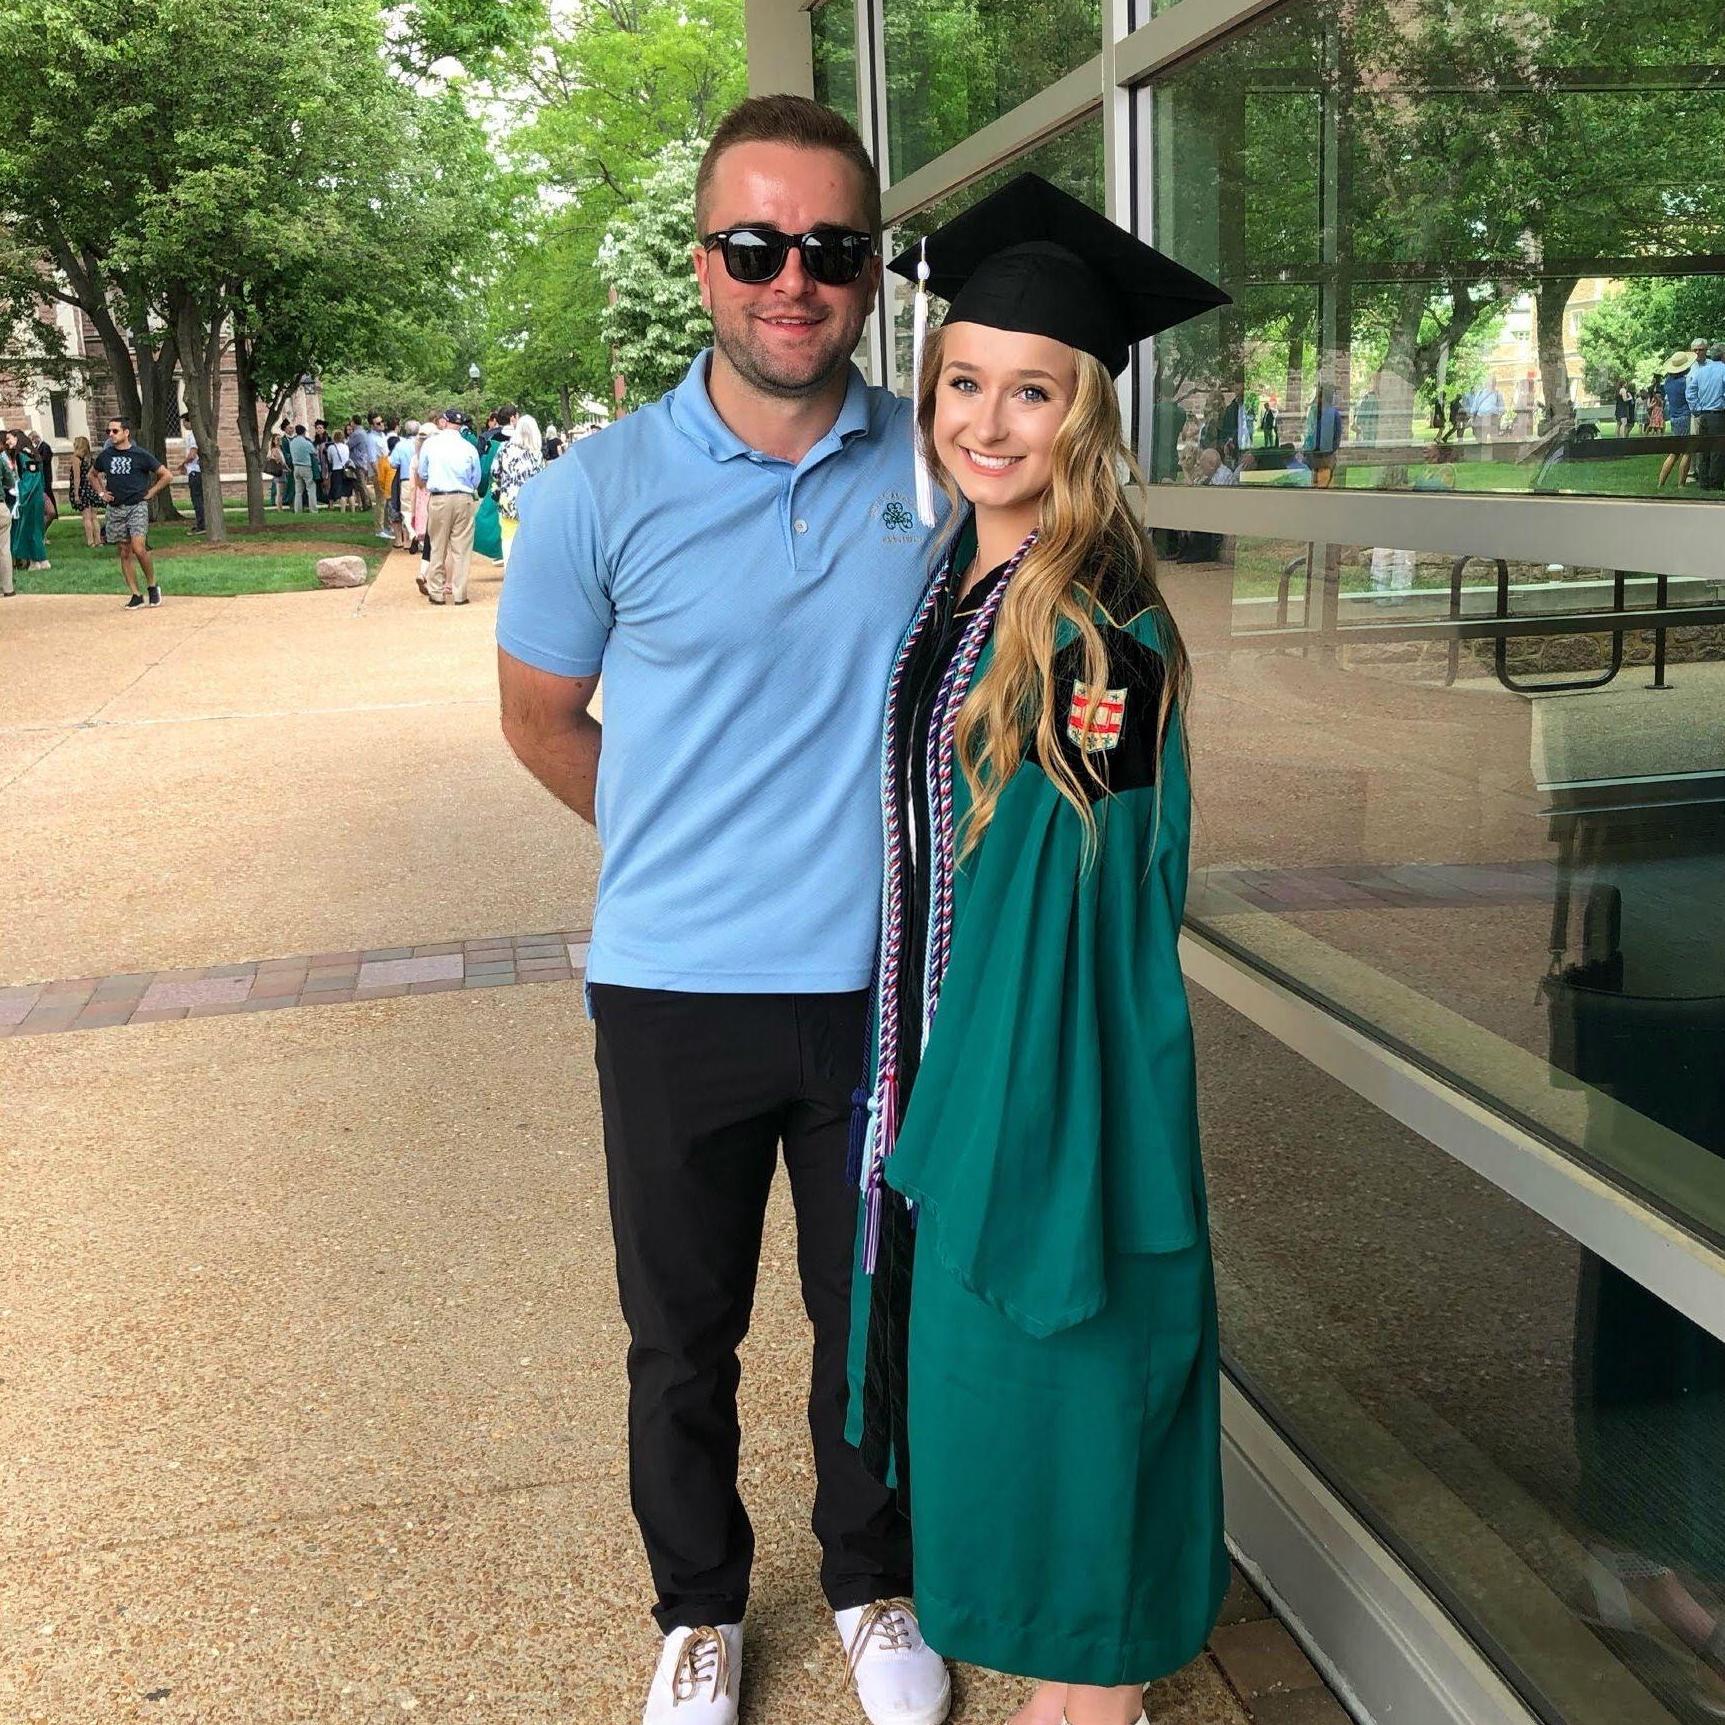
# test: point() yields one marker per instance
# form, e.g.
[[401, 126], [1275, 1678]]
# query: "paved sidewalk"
[[294, 772], [313, 1373]]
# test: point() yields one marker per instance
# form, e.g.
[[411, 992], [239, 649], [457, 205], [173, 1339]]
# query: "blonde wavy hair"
[[1088, 539]]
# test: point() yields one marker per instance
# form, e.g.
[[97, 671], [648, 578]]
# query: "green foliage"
[[954, 65], [358, 393], [1377, 184], [478, 35], [656, 323], [254, 174], [1617, 345], [1629, 336], [609, 89]]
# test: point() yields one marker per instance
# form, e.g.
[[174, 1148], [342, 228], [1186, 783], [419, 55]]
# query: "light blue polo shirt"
[[744, 613]]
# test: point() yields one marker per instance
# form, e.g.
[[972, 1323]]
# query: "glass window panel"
[[834, 31], [952, 66], [1438, 798], [1539, 1437], [1072, 160], [1493, 230]]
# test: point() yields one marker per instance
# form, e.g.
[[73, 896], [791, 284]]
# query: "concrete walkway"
[[313, 1385]]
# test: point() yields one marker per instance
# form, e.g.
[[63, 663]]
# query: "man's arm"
[[546, 723], [162, 480]]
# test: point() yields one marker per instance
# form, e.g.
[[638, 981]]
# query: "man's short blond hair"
[[793, 120]]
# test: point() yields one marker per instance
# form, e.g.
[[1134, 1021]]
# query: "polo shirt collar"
[[693, 413]]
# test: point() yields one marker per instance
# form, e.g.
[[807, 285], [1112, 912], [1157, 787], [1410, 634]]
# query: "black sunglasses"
[[834, 257]]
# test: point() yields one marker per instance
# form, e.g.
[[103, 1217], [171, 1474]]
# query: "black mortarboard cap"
[[1032, 258]]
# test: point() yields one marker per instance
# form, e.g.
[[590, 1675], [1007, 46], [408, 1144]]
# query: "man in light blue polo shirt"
[[739, 560], [1704, 392]]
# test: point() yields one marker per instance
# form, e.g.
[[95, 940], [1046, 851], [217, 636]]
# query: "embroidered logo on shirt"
[[1105, 722], [892, 511]]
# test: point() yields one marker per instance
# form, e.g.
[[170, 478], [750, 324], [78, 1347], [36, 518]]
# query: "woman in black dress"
[[81, 491]]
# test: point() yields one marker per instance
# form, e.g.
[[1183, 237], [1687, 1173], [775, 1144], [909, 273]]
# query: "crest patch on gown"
[[1105, 723]]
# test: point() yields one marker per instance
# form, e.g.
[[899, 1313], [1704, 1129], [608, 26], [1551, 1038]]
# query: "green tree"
[[1629, 335], [607, 91], [254, 181], [654, 319], [1617, 344]]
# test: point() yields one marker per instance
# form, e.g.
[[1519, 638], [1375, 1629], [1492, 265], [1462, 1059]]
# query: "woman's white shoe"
[[899, 1678], [698, 1677]]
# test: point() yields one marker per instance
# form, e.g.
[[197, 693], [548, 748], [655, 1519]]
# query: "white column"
[[781, 51]]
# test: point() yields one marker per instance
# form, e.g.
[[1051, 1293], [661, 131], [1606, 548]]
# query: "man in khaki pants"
[[448, 468]]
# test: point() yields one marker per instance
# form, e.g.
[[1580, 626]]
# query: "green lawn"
[[281, 558]]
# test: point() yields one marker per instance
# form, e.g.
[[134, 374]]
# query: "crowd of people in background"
[[376, 464], [437, 486], [353, 467]]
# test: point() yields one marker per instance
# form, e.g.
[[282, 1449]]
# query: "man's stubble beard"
[[733, 336]]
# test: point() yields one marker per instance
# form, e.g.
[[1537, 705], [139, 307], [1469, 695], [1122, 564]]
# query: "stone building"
[[62, 412]]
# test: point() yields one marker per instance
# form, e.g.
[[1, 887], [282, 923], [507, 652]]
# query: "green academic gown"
[[487, 524], [29, 541], [1059, 1434]]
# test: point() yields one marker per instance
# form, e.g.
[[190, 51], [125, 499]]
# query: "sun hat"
[[1679, 362]]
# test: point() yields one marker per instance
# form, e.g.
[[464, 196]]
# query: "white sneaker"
[[698, 1678], [899, 1678]]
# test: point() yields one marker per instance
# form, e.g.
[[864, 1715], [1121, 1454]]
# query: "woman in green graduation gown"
[[487, 523], [1033, 1356], [29, 545]]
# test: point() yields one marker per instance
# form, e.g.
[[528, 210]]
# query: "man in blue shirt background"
[[448, 467], [740, 560], [1704, 391]]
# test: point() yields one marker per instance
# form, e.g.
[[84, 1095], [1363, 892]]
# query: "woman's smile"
[[990, 463]]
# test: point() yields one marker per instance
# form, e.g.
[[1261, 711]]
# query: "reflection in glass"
[[1445, 798], [1072, 160], [1540, 1439], [1450, 224], [833, 29], [952, 66]]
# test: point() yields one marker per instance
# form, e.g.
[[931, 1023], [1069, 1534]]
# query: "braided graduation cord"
[[942, 733], [943, 720], [883, 1101]]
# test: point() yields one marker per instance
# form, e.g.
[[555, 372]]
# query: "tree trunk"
[[568, 409], [1294, 396], [1550, 303], [1397, 381], [251, 448], [155, 389], [246, 407], [143, 376], [200, 340]]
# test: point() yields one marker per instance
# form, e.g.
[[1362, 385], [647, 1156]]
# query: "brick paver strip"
[[205, 991], [432, 968], [309, 979], [545, 956]]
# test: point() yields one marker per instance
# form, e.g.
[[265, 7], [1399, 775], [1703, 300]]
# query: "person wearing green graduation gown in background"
[[29, 542], [487, 520], [1033, 1354]]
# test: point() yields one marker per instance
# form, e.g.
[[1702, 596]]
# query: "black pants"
[[195, 487], [699, 1091], [1710, 466]]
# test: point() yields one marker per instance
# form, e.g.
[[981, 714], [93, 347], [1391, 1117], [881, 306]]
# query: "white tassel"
[[918, 341]]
